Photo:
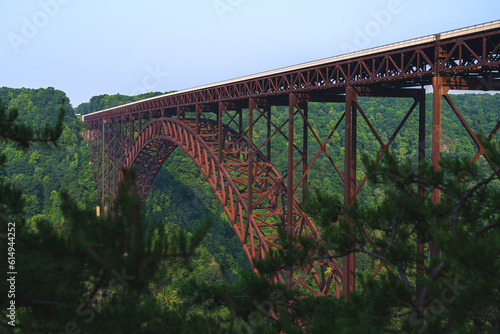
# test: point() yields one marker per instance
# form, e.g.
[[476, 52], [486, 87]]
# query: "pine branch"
[[468, 194], [487, 228], [24, 135], [94, 291]]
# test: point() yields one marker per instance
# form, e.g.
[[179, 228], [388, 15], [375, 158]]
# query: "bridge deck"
[[412, 61]]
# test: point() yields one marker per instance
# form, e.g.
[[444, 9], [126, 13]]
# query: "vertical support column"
[[114, 156], [103, 164], [90, 140], [110, 157], [305, 110], [251, 106], [124, 141], [94, 158], [349, 261], [437, 87], [118, 134], [96, 148], [130, 130], [268, 110], [421, 189], [117, 130], [240, 113], [220, 137], [179, 112], [292, 102], [197, 119]]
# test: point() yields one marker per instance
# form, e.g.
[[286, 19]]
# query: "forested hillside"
[[181, 199], [180, 195], [42, 172]]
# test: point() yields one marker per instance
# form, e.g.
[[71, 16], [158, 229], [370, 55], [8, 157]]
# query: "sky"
[[91, 47]]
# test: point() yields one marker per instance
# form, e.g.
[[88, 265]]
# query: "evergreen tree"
[[459, 290], [91, 275]]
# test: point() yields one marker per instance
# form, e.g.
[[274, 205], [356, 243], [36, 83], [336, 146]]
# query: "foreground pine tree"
[[93, 274], [459, 291]]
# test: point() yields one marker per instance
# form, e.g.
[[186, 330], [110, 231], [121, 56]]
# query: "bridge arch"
[[257, 230]]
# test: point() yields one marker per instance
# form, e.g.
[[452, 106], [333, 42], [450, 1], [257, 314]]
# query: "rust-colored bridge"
[[215, 125]]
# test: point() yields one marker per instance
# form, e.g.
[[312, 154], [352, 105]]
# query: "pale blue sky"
[[92, 47]]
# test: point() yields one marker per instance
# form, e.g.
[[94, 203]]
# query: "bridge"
[[214, 124]]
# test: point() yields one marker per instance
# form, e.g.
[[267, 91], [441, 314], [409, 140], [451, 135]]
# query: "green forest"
[[198, 280]]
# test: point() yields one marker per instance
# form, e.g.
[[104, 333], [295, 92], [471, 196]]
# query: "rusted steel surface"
[[257, 229], [215, 124]]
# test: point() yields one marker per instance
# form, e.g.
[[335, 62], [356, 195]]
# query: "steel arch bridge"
[[214, 125]]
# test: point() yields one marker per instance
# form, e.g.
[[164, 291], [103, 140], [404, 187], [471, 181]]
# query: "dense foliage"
[[69, 257], [459, 289], [39, 172]]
